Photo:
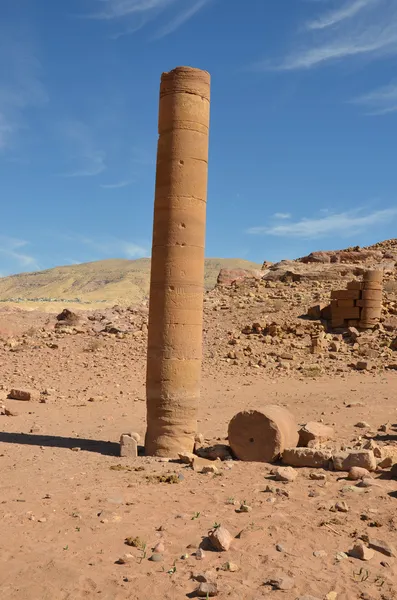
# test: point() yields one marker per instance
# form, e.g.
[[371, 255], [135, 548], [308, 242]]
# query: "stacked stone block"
[[360, 305]]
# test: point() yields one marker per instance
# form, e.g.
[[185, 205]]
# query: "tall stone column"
[[177, 272]]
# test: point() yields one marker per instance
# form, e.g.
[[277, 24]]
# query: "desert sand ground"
[[68, 501]]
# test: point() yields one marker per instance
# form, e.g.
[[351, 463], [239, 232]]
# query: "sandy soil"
[[68, 501]]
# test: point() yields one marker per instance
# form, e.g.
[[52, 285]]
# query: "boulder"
[[307, 457], [344, 461]]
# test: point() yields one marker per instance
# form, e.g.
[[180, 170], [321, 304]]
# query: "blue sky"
[[303, 124]]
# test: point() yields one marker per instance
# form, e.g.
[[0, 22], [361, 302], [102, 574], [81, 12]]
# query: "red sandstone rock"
[[220, 538], [315, 433]]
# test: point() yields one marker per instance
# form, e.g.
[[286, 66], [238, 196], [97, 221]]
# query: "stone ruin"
[[360, 304]]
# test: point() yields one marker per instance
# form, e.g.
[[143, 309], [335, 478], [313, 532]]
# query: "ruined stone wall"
[[360, 305]]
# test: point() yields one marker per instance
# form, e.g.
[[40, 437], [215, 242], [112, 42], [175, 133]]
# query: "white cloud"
[[340, 225], [280, 215], [87, 160], [115, 186], [381, 101], [137, 13], [10, 248], [366, 28], [333, 17]]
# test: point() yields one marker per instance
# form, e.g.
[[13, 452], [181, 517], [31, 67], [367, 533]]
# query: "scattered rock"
[[128, 446], [342, 506], [315, 433], [286, 474], [283, 583], [156, 557], [159, 548], [318, 476], [220, 538], [357, 473], [207, 590], [25, 395], [320, 553], [361, 551], [210, 469], [363, 425], [199, 554]]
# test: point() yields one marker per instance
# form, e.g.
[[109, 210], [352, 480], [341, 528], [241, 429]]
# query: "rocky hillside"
[[115, 281]]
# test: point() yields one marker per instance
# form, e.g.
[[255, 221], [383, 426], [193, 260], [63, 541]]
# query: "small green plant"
[[216, 525], [230, 500], [196, 516]]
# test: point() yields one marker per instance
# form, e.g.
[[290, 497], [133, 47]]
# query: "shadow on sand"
[[55, 441]]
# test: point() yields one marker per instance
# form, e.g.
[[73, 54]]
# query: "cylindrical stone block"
[[177, 273], [262, 436], [368, 314], [372, 295], [373, 276]]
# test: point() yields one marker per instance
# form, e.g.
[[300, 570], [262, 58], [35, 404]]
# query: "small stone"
[[368, 482], [382, 547], [318, 476], [128, 446], [332, 595], [363, 425], [340, 556], [156, 557], [207, 590], [42, 520], [199, 438], [320, 553], [341, 506], [315, 433], [363, 365], [25, 395], [280, 548], [231, 567], [220, 538], [361, 551], [76, 449], [244, 508], [283, 583], [357, 473], [186, 457], [210, 469], [159, 548], [125, 559], [200, 554], [286, 474]]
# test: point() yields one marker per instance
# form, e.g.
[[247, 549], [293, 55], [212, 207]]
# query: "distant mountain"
[[116, 280]]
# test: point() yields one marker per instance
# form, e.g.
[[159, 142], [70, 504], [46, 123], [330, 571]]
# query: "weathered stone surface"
[[229, 276], [286, 474], [315, 433], [307, 457], [344, 461], [387, 456], [220, 538], [128, 446]]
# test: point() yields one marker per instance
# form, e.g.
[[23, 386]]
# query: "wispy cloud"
[[280, 215], [21, 86], [115, 186], [108, 247], [181, 18], [366, 28], [346, 11], [381, 101], [11, 249], [335, 225], [135, 14], [86, 159]]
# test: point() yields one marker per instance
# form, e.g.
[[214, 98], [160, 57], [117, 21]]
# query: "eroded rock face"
[[228, 276]]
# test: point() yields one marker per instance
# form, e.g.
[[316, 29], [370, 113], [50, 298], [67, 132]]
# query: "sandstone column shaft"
[[177, 272]]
